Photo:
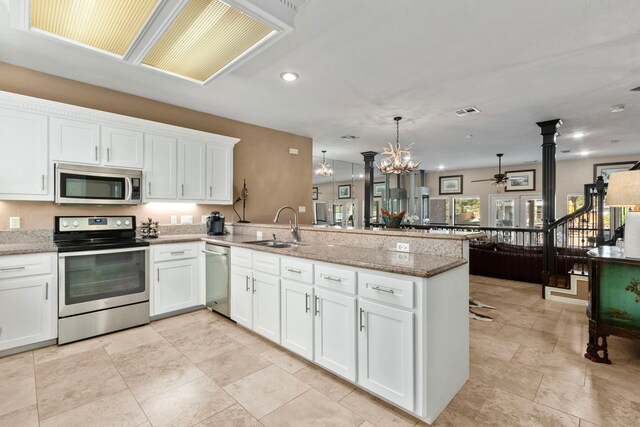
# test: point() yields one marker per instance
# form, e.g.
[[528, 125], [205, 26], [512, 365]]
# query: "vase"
[[393, 222]]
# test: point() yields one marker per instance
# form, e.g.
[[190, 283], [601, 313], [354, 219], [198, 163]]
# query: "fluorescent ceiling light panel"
[[206, 36], [107, 25]]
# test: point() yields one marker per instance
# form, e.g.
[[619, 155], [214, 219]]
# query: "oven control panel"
[[94, 223]]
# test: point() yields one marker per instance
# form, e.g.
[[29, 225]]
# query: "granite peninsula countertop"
[[27, 248]]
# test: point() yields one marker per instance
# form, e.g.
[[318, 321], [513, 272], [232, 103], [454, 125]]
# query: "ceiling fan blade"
[[482, 180]]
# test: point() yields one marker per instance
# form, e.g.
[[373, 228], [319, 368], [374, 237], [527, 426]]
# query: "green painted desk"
[[614, 300]]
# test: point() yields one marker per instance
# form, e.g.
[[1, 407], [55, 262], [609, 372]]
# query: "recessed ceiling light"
[[617, 108], [578, 135], [441, 167], [466, 111], [584, 153], [289, 76], [349, 137], [469, 136]]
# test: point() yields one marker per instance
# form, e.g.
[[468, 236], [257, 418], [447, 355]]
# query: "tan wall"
[[571, 175], [261, 157]]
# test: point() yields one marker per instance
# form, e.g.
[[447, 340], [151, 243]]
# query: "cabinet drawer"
[[25, 265], [174, 251], [242, 257], [267, 263], [387, 289], [339, 279], [297, 269]]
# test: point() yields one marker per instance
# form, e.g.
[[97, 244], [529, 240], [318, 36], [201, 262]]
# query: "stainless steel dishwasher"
[[217, 276]]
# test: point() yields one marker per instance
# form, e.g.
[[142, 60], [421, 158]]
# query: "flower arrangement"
[[392, 220], [410, 219]]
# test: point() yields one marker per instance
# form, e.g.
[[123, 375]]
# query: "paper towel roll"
[[632, 235]]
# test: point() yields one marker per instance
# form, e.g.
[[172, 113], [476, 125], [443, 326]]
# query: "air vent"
[[349, 137], [565, 151], [467, 111], [637, 89], [532, 161]]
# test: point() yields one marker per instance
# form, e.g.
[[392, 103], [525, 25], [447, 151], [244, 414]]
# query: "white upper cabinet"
[[191, 170], [160, 173], [219, 173], [122, 148], [24, 166], [74, 141]]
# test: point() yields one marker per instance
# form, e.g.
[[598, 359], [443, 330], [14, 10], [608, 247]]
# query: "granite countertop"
[[27, 248], [610, 253]]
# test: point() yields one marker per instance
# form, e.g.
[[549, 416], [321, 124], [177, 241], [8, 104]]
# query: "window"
[[439, 211], [466, 211], [574, 202]]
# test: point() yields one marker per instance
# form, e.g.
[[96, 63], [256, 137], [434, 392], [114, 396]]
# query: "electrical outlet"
[[203, 219], [302, 209], [186, 219], [174, 219], [402, 247], [259, 235], [14, 222]]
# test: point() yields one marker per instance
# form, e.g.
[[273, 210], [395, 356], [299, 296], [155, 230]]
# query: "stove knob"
[[76, 223], [65, 224], [127, 223], [118, 223]]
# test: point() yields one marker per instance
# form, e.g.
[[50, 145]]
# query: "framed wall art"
[[521, 180], [378, 189], [606, 169], [314, 193], [344, 191], [451, 184]]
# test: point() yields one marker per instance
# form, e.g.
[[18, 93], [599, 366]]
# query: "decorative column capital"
[[550, 127], [369, 155]]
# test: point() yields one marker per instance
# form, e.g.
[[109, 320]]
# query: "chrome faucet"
[[294, 226]]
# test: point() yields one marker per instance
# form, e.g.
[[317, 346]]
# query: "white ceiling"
[[362, 62]]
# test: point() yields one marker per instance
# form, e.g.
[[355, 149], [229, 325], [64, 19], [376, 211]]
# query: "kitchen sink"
[[274, 244]]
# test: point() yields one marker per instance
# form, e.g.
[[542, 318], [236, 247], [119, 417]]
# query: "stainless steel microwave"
[[94, 185]]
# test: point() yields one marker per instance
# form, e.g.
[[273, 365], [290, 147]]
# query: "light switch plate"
[[302, 209], [14, 222], [174, 219], [259, 235], [186, 219], [293, 151], [203, 219]]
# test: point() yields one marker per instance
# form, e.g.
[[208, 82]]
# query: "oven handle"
[[103, 251]]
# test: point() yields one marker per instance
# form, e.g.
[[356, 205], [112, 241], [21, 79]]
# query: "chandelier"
[[324, 169], [399, 160]]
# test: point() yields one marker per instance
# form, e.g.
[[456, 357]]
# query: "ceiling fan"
[[499, 178]]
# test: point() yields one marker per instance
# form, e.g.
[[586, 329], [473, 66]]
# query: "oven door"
[[98, 280]]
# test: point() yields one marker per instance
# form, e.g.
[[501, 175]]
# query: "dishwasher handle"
[[213, 253]]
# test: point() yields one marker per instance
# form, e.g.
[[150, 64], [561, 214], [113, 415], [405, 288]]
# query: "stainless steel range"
[[102, 271]]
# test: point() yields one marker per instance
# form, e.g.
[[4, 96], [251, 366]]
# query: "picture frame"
[[378, 189], [451, 184], [606, 169], [314, 193], [523, 180], [344, 191]]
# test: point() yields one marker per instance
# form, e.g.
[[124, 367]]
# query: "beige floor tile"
[[451, 418], [230, 328], [366, 424], [119, 409], [128, 339], [284, 359], [572, 345], [623, 349], [333, 387], [568, 369], [186, 333], [375, 411], [585, 423], [235, 416], [233, 365], [529, 337], [68, 382], [623, 374], [254, 342], [174, 322], [507, 409], [203, 346], [25, 417], [309, 409], [263, 391], [496, 373], [470, 398], [557, 328], [495, 347], [53, 352], [17, 394], [188, 404], [16, 367], [599, 402], [486, 328]]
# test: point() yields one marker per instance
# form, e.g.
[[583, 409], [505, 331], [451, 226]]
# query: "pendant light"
[[399, 160], [324, 169]]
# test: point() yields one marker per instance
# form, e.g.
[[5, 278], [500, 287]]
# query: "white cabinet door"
[[26, 311], [191, 170], [122, 148], [219, 173], [176, 285], [335, 332], [24, 162], [74, 141], [297, 317], [241, 295], [160, 167], [266, 305], [385, 352]]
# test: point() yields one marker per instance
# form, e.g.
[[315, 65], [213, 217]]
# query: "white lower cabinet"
[[297, 317], [266, 305], [241, 295], [335, 332], [175, 277], [386, 352], [28, 299]]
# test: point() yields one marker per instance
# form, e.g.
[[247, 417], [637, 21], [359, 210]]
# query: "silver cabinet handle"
[[158, 275], [176, 253], [331, 278], [293, 270], [149, 187], [378, 288], [42, 182], [253, 285], [183, 189], [46, 291], [210, 190], [108, 154], [213, 253], [317, 309], [96, 149], [361, 320], [0, 331], [306, 303], [13, 268], [246, 283]]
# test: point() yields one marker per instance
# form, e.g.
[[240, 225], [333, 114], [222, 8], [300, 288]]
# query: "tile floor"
[[527, 369]]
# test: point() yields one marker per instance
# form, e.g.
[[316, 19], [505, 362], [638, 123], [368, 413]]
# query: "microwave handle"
[[129, 188]]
